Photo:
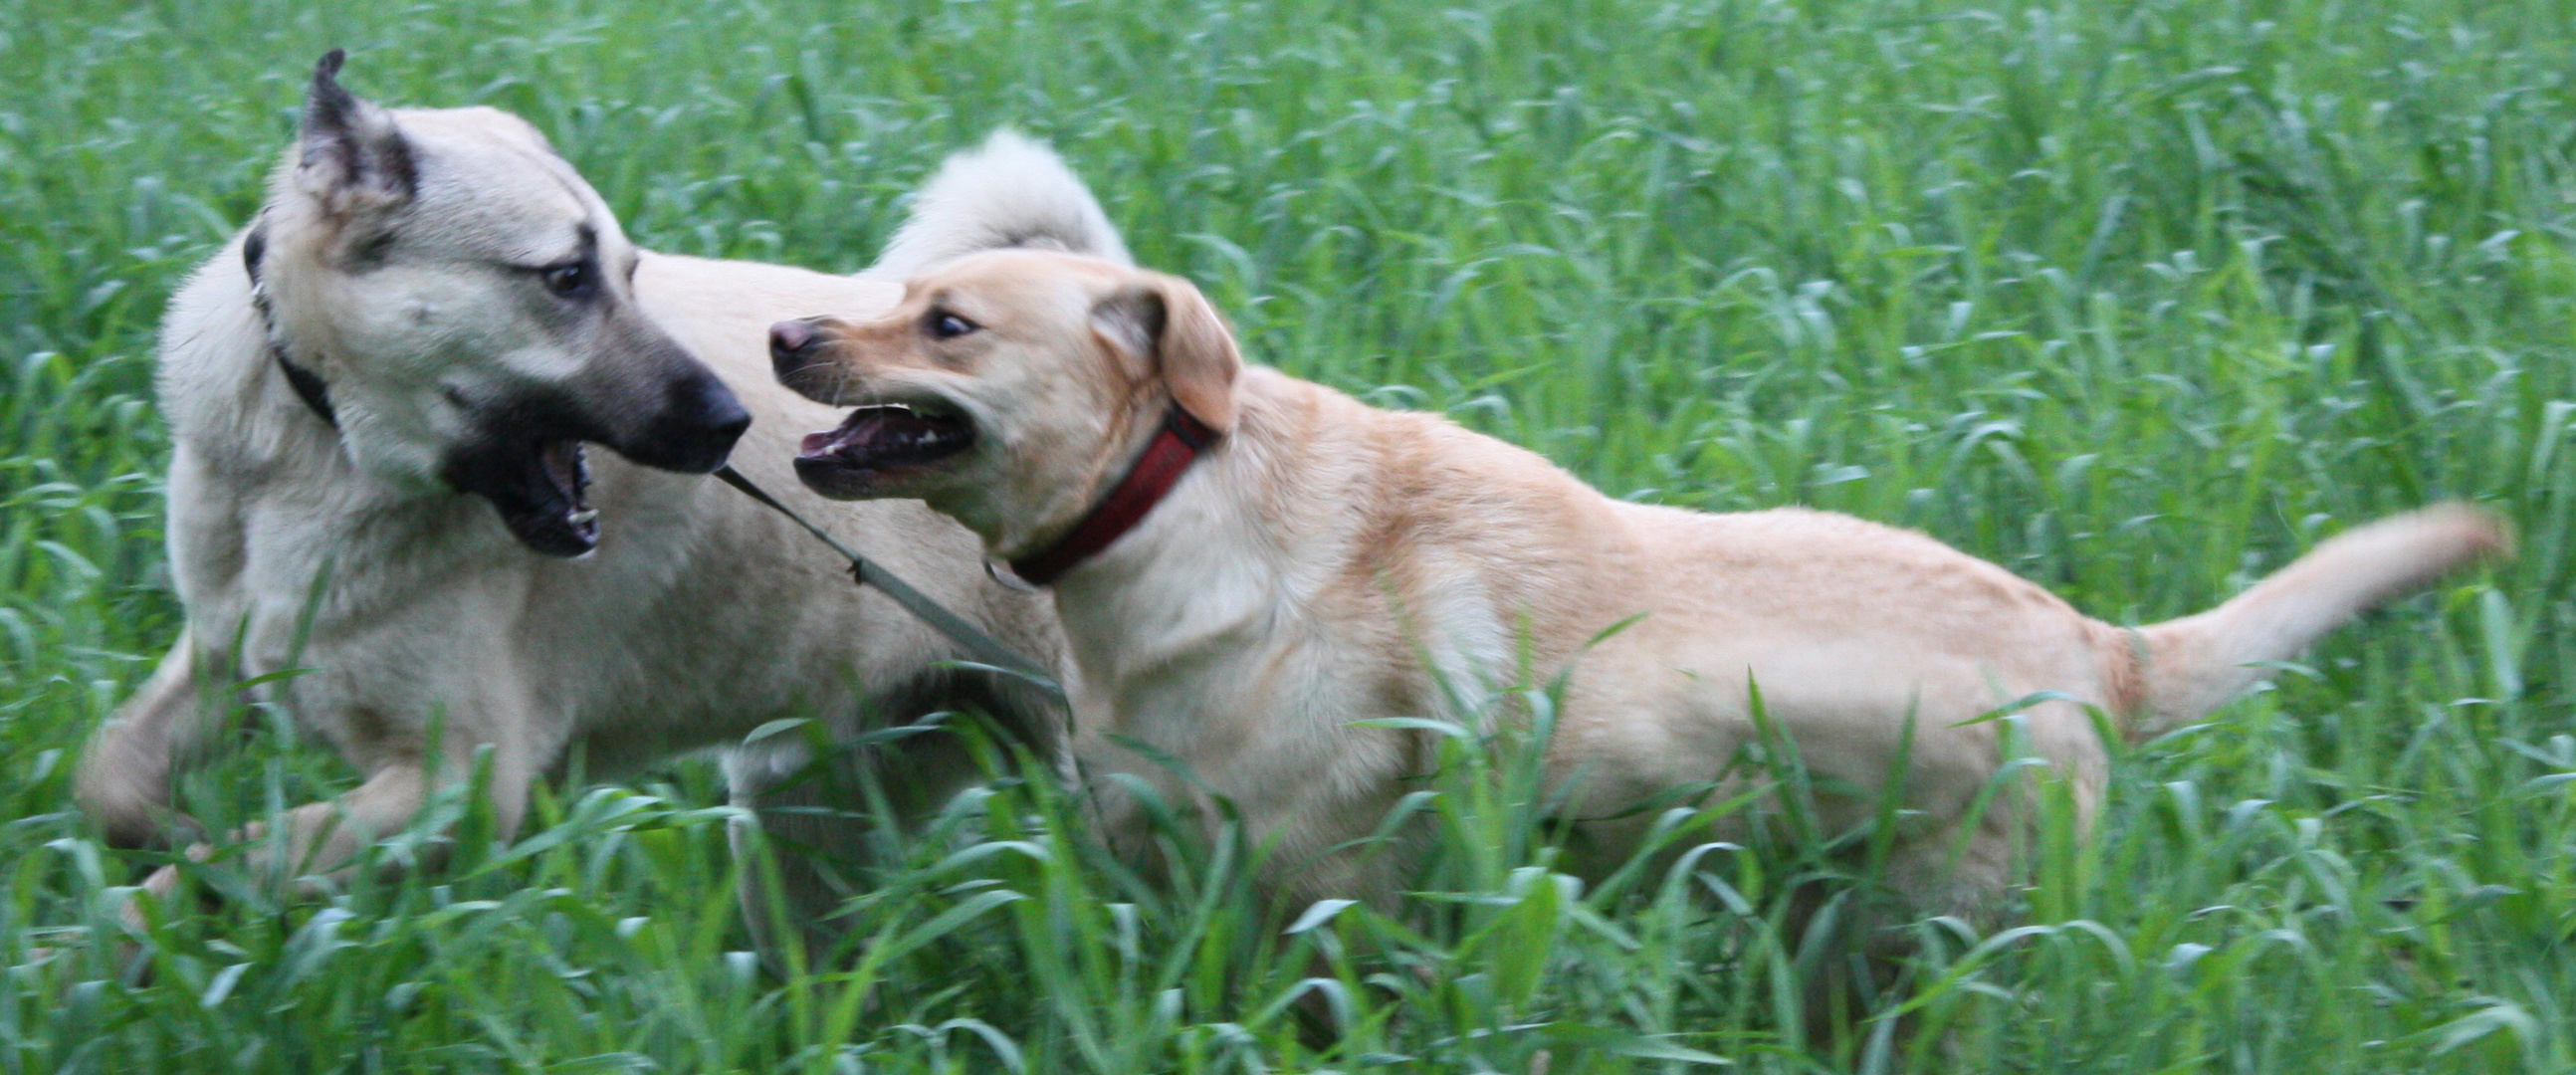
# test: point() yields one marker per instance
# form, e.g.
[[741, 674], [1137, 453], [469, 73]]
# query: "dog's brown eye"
[[570, 280], [948, 326]]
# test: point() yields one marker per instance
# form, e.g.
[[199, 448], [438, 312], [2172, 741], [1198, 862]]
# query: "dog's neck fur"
[[244, 435], [223, 392], [307, 384], [1164, 572], [1201, 575], [1176, 443]]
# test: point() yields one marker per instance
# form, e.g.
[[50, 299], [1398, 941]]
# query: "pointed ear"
[[354, 158], [1165, 320]]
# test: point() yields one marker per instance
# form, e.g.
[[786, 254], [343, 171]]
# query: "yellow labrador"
[[1247, 563]]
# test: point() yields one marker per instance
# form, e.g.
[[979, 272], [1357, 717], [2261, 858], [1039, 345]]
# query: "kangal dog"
[[1246, 564], [380, 393]]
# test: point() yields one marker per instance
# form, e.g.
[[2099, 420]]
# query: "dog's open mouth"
[[540, 487], [557, 519], [878, 440]]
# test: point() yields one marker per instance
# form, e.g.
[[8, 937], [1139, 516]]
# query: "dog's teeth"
[[582, 517]]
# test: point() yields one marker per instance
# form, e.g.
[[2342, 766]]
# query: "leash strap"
[[983, 647]]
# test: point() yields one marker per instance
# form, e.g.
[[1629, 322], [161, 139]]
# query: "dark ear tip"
[[326, 73]]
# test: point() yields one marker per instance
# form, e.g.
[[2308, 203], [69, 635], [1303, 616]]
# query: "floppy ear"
[[354, 158], [1166, 319]]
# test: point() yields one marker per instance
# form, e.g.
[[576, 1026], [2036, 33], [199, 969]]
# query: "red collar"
[[1179, 443]]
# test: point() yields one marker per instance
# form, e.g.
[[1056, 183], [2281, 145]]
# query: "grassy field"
[[2137, 299]]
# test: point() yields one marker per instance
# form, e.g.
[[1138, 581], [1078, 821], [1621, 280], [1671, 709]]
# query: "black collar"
[[307, 384]]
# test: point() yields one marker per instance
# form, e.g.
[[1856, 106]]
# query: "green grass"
[[2136, 299]]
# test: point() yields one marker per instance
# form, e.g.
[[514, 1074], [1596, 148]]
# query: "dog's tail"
[[1008, 192], [2184, 668]]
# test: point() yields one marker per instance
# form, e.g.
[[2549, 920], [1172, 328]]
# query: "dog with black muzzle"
[[382, 395]]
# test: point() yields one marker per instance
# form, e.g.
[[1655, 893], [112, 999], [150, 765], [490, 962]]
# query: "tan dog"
[[1286, 582], [379, 394]]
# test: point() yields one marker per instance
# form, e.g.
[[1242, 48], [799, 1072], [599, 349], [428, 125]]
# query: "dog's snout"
[[694, 429], [789, 337], [723, 412], [791, 346], [719, 415]]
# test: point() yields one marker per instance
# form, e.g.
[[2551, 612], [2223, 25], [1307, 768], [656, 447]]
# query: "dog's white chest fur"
[[1217, 660]]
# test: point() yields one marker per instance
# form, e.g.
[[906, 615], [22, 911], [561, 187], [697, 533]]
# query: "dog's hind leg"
[[123, 779], [828, 822], [805, 823]]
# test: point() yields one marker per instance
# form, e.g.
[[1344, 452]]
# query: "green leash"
[[986, 649]]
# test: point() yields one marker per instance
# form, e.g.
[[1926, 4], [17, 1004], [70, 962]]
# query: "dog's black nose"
[[699, 422], [788, 341]]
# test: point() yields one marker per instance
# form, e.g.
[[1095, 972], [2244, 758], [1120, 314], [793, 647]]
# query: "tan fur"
[[1320, 563]]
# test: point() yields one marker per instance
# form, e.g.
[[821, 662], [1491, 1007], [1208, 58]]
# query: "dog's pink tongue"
[[830, 442]]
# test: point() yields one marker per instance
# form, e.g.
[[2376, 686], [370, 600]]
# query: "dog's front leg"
[[123, 779], [322, 839]]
